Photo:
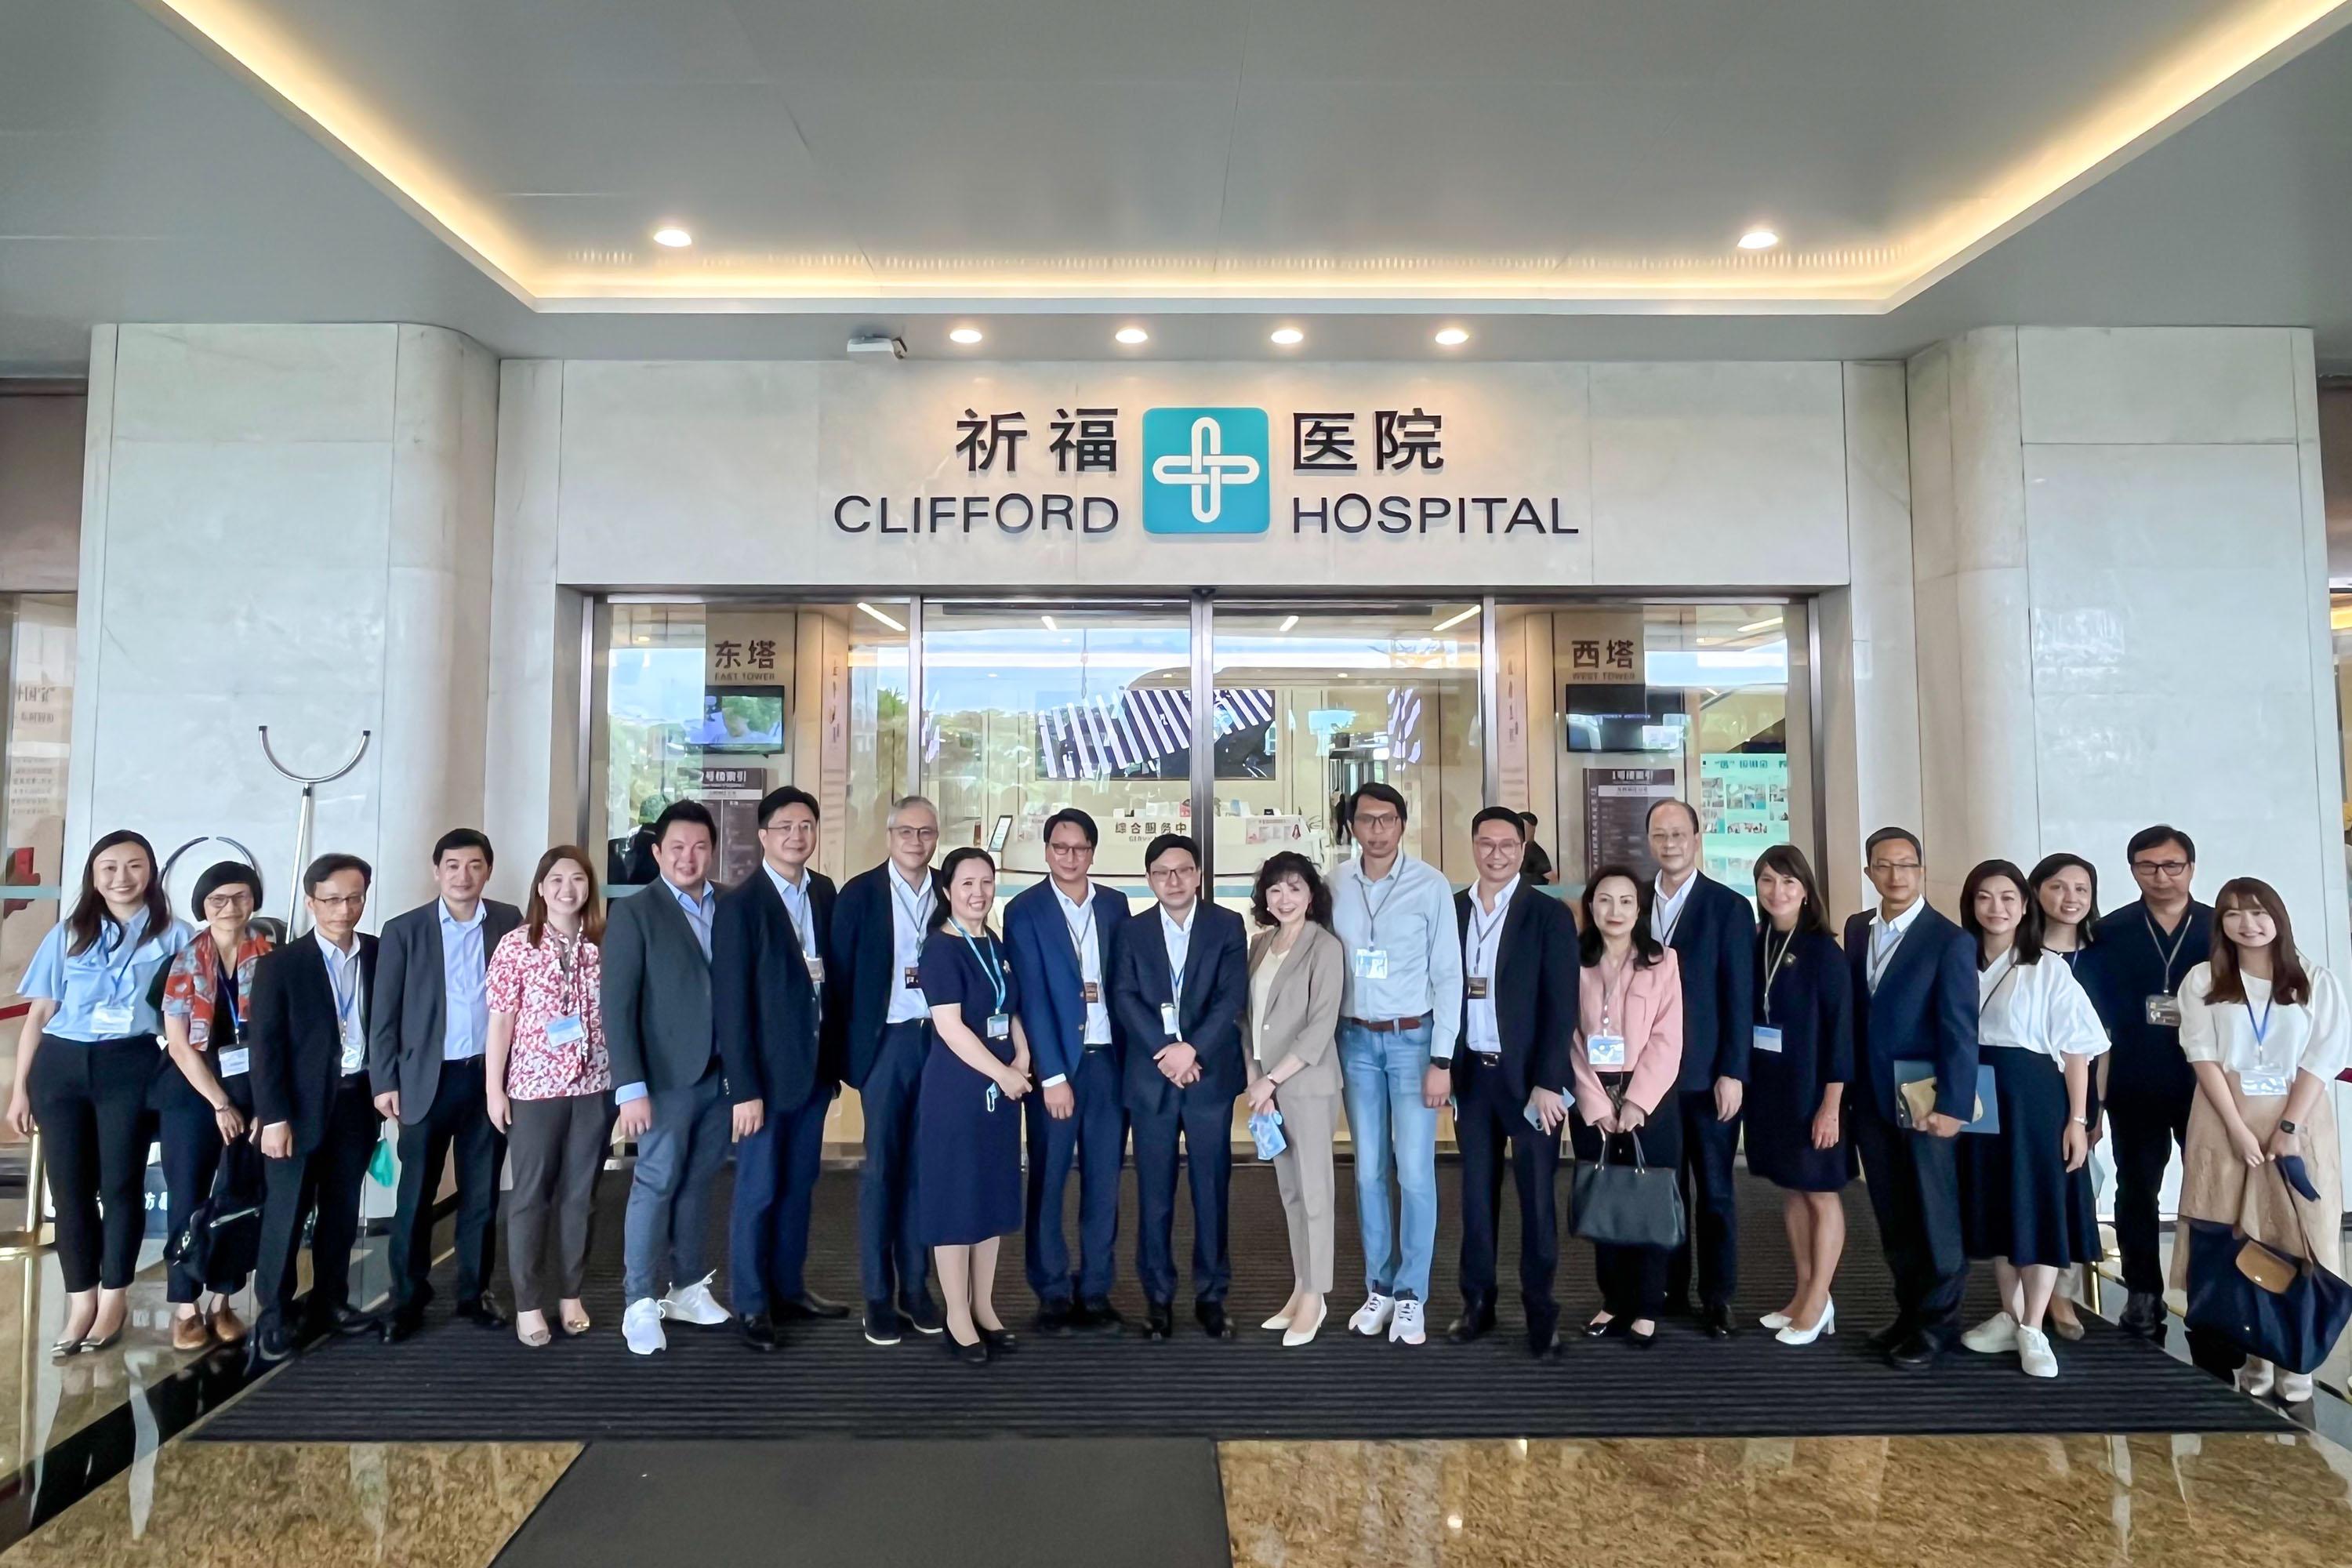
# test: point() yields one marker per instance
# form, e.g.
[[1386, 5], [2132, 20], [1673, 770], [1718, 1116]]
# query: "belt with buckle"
[[1389, 1025]]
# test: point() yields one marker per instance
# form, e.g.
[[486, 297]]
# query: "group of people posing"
[[1964, 1069]]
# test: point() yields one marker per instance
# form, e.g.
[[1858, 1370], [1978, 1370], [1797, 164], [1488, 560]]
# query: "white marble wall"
[[290, 526]]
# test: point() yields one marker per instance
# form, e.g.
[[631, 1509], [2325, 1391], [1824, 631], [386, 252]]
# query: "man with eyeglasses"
[[1713, 932], [1060, 934], [2143, 951], [879, 930]]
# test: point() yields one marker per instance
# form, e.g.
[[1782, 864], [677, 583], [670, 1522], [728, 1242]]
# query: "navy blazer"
[[1714, 941], [764, 1011], [1536, 990], [296, 1040], [1925, 1010], [1216, 993], [1051, 1011], [863, 953]]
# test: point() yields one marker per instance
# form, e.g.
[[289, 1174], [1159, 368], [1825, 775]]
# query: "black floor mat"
[[456, 1382]]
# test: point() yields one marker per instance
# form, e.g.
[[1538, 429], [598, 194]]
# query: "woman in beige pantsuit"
[[1296, 970]]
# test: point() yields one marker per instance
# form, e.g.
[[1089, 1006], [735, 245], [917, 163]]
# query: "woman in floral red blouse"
[[550, 1086]]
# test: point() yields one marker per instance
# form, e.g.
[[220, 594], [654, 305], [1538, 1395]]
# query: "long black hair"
[[1647, 949], [940, 915], [90, 916], [2087, 931], [2027, 944], [1788, 861]]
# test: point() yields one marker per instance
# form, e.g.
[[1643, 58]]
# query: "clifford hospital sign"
[[1202, 471]]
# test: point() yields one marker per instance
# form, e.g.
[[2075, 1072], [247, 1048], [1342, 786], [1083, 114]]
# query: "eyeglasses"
[[2160, 867], [339, 901], [1069, 849], [916, 835], [1670, 835], [1895, 865], [1376, 819], [228, 903]]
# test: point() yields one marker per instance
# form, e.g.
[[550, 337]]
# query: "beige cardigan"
[[1302, 1010]]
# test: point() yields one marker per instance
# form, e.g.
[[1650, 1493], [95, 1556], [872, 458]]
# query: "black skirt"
[[2017, 1200]]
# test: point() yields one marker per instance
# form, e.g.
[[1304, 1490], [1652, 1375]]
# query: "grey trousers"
[[556, 1147], [1303, 1173], [665, 1237]]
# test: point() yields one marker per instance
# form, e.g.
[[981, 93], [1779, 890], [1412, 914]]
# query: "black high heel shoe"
[[1000, 1342], [1642, 1341], [1605, 1327], [972, 1354]]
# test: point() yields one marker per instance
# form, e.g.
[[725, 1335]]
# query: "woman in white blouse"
[[2025, 1194], [2265, 1032]]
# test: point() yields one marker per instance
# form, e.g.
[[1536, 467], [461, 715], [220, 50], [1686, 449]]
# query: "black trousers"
[[1206, 1122], [893, 1264], [326, 1179], [1489, 1122], [1093, 1143], [1914, 1189], [91, 1100], [456, 1126], [1711, 1250], [1632, 1279], [2146, 1131], [193, 1156]]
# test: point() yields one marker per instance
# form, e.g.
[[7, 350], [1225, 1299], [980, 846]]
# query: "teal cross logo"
[[1205, 471]]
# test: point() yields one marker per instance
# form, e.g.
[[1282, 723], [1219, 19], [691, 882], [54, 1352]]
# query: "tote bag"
[[1626, 1205], [2279, 1306]]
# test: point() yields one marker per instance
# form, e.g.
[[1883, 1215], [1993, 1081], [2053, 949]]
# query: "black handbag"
[[222, 1240], [1625, 1206], [2282, 1307]]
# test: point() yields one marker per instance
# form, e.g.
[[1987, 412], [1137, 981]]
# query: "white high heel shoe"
[[1279, 1322], [1790, 1334], [1305, 1333], [1774, 1321]]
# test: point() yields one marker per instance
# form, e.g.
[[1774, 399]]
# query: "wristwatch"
[[2286, 1126]]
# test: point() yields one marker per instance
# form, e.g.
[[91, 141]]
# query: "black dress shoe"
[[483, 1312], [1000, 1342], [2143, 1312], [1210, 1315], [1545, 1344], [403, 1324], [1917, 1353], [267, 1347], [1057, 1319], [1715, 1323], [808, 1304], [756, 1329], [1474, 1324], [351, 1322], [922, 1314], [1892, 1335], [1102, 1318], [1158, 1321], [1640, 1340]]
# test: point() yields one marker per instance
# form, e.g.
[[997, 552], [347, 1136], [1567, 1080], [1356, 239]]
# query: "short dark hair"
[[1661, 802], [1887, 835], [462, 839], [1501, 813], [1286, 863], [2162, 833], [223, 874], [2029, 923], [782, 795], [1788, 861], [689, 811], [1167, 841], [1647, 949], [1380, 792], [327, 865], [1073, 818]]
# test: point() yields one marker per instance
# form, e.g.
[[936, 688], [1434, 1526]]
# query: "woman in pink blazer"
[[1627, 1061]]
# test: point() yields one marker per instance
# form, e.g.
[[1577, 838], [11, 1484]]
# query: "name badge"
[[2263, 1085], [567, 1030], [912, 979], [233, 1063], [111, 1019], [1605, 1050], [815, 968], [1168, 1018], [2164, 1008], [1768, 1039], [1000, 1024], [1089, 992], [1371, 963], [1477, 987]]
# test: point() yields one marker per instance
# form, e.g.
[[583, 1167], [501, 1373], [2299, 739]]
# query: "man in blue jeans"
[[1398, 1018]]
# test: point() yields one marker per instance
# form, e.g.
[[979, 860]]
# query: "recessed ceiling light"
[[1287, 622], [1765, 626], [1452, 337], [894, 625], [672, 235], [965, 335], [1286, 336], [1049, 622], [1455, 620], [1759, 240], [1132, 335]]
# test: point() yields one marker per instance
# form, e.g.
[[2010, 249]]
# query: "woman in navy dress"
[[1802, 1060], [2067, 889], [968, 1115]]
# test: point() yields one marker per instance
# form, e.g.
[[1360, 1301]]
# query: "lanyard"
[[1608, 1007], [2156, 942], [2262, 1024], [225, 993], [343, 979], [1681, 901], [1879, 957], [567, 971], [1081, 937], [917, 908], [1373, 910], [1175, 966], [2007, 975], [988, 962], [126, 945], [1483, 931], [1772, 970]]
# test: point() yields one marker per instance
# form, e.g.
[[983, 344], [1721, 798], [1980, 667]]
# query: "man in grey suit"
[[666, 1078], [429, 1029]]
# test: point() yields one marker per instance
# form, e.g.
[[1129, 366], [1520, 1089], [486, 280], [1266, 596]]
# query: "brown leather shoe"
[[190, 1333], [228, 1327]]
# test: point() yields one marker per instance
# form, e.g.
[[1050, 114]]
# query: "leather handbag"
[[2283, 1307], [222, 1240], [1625, 1206]]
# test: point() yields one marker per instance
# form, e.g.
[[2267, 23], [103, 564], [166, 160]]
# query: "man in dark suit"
[[1061, 932], [1179, 981], [1914, 1000], [425, 1059], [1713, 932], [1510, 1064], [767, 1008], [877, 943], [311, 1001], [667, 1078]]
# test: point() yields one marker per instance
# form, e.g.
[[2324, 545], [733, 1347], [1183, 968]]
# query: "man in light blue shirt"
[[1398, 1019]]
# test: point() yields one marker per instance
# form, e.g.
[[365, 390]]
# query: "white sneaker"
[[695, 1304], [2034, 1355], [2294, 1387], [1994, 1335], [1407, 1329], [2256, 1378], [641, 1326], [1372, 1317]]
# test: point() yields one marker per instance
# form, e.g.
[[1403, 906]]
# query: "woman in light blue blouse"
[[85, 1063]]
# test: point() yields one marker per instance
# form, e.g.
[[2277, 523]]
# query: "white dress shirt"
[[1407, 915], [1666, 909], [1886, 936], [910, 921], [350, 1002], [2038, 1007], [1079, 916], [2312, 1037], [1480, 945], [1179, 944]]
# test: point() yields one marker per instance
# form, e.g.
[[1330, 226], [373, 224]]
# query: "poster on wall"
[[1743, 810], [733, 795], [1617, 804]]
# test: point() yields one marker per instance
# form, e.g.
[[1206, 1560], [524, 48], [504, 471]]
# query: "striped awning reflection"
[[1102, 735]]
